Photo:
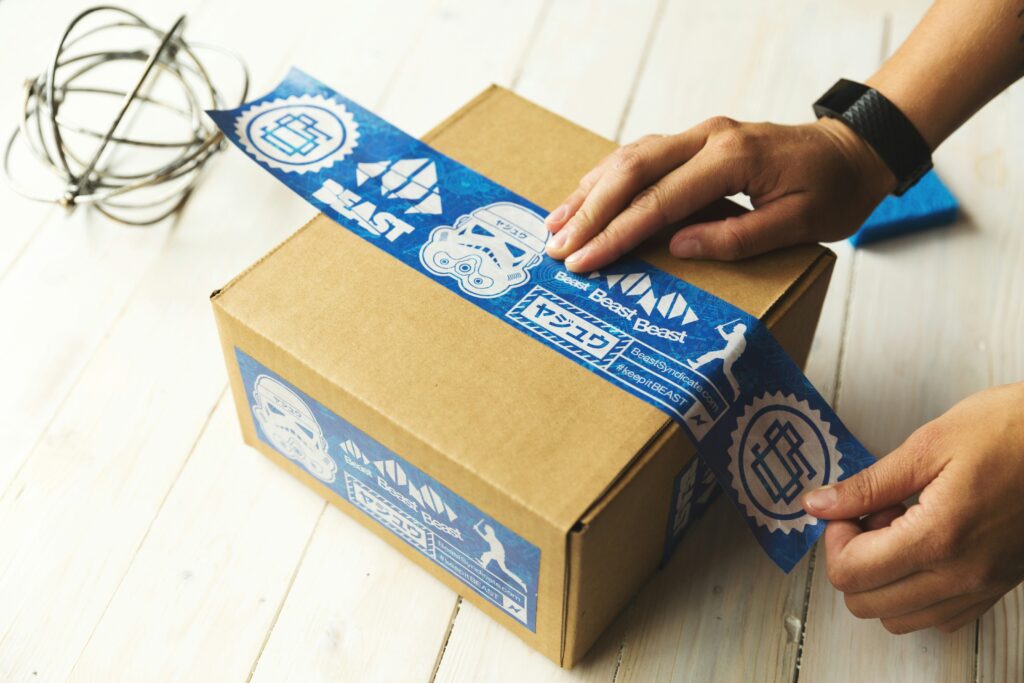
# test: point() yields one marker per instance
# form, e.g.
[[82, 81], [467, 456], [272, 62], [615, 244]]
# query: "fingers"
[[858, 560], [891, 480], [933, 615], [688, 188], [774, 225], [915, 593], [968, 615], [557, 219], [607, 190], [882, 518]]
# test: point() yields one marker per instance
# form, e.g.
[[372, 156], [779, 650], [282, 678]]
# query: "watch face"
[[839, 98]]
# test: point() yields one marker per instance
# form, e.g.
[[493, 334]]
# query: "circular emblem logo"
[[299, 134], [780, 449]]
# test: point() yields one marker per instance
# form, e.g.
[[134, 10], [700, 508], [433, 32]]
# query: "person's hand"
[[948, 558], [813, 182]]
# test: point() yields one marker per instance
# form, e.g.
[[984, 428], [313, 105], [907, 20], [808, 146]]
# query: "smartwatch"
[[882, 125]]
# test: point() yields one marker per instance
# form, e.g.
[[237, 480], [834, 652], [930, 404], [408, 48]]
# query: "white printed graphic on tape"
[[488, 251], [300, 134], [291, 427], [781, 447], [413, 180], [638, 285]]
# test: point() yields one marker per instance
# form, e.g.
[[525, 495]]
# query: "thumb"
[[768, 227], [890, 481]]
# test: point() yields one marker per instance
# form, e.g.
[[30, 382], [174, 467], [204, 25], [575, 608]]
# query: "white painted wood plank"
[[358, 611], [1001, 641], [74, 516], [586, 58], [933, 318], [462, 47], [69, 282], [207, 582], [480, 649], [720, 611]]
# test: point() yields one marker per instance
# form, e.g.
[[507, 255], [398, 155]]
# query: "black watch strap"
[[882, 125]]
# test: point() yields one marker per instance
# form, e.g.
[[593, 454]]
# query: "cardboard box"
[[539, 491]]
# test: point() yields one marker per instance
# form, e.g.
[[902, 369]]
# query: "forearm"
[[961, 55]]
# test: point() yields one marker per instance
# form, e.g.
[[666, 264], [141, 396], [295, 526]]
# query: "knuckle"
[[858, 607], [587, 183], [841, 578], [734, 142], [897, 627], [583, 219], [608, 243], [721, 123], [630, 161], [862, 487], [734, 243], [651, 201]]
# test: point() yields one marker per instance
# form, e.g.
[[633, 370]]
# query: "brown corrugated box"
[[576, 466]]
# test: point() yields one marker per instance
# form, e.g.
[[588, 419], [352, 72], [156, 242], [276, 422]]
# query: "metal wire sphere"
[[99, 176]]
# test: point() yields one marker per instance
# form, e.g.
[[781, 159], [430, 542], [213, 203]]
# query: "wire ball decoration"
[[80, 124]]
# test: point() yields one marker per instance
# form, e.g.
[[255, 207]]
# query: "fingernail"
[[575, 257], [557, 216], [822, 499], [687, 248]]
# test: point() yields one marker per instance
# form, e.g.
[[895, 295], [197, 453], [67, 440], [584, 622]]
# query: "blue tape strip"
[[758, 423]]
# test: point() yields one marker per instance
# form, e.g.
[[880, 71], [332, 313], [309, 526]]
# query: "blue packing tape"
[[757, 422]]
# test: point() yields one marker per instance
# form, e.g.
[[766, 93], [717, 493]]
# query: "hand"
[[947, 559], [813, 182]]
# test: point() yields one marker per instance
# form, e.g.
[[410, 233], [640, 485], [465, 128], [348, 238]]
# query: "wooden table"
[[141, 541]]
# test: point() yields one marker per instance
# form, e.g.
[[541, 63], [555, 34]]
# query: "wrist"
[[877, 178], [896, 88]]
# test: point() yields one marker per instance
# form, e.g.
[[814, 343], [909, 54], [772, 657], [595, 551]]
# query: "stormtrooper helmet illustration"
[[291, 427], [488, 251]]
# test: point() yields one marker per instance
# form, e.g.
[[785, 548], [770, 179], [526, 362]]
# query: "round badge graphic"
[[298, 134], [780, 449]]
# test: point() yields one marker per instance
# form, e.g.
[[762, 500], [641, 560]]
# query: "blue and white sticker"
[[482, 553], [758, 424], [298, 134]]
